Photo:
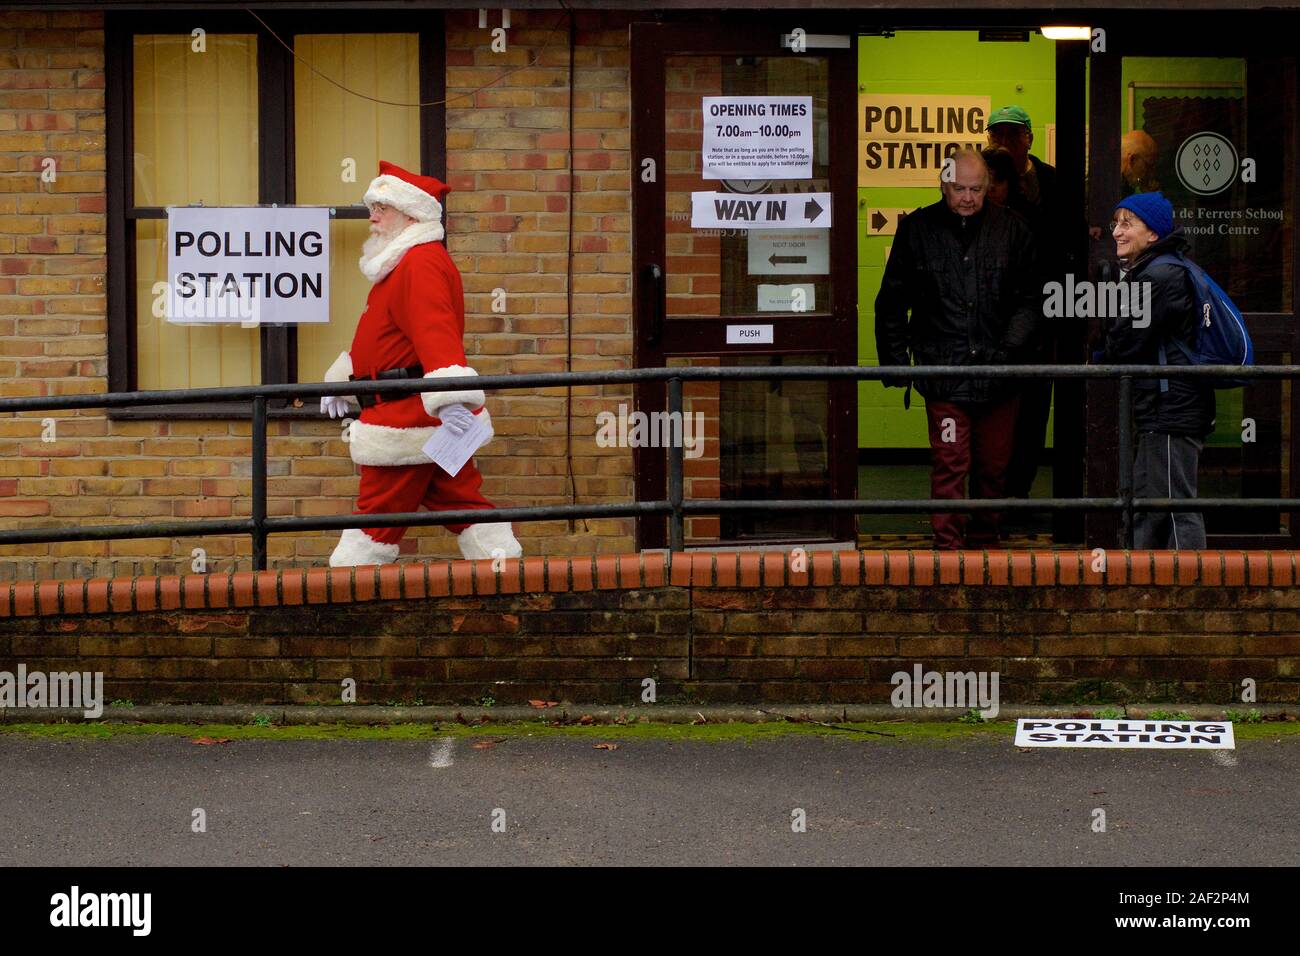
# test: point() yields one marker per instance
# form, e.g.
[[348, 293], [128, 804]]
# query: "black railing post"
[[1126, 459], [259, 483], [676, 451]]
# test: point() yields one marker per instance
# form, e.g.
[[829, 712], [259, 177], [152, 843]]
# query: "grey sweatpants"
[[1165, 467]]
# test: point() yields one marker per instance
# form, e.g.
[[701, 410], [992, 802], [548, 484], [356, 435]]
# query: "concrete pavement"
[[970, 800]]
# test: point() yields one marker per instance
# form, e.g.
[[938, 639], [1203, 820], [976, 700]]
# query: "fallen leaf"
[[488, 743], [605, 746], [586, 719], [542, 704], [208, 741]]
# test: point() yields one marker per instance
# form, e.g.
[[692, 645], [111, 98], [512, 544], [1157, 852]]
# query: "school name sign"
[[247, 265], [904, 139]]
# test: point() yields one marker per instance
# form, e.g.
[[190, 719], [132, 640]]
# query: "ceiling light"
[[1067, 33]]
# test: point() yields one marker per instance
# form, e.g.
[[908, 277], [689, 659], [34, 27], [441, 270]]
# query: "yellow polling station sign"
[[903, 139]]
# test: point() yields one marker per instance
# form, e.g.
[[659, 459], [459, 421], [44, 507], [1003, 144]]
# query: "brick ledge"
[[707, 569]]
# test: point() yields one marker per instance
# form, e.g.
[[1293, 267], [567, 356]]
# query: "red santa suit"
[[414, 315]]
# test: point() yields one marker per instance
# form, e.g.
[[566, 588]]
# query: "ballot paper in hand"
[[450, 451]]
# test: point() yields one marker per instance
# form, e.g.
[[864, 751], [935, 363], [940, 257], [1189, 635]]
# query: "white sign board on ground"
[[758, 137], [247, 264], [1125, 734], [779, 252], [789, 211]]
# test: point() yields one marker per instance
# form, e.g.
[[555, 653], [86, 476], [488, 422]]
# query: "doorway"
[[939, 87], [1211, 123], [738, 292]]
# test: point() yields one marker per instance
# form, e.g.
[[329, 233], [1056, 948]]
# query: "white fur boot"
[[356, 548], [481, 540]]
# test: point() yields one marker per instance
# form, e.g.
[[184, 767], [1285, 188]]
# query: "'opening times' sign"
[[758, 137]]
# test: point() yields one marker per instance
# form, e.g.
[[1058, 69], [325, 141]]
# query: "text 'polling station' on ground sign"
[[1125, 734]]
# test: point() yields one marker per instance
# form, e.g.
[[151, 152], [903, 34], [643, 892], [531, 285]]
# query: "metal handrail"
[[675, 506]]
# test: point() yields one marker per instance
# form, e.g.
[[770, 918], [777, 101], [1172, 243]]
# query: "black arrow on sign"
[[811, 210], [878, 220], [787, 260]]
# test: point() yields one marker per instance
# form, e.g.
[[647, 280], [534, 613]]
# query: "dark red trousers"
[[975, 440], [386, 489]]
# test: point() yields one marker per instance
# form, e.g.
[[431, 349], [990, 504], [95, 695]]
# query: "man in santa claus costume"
[[412, 326]]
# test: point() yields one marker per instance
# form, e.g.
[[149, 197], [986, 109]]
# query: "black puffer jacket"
[[972, 297], [1187, 408]]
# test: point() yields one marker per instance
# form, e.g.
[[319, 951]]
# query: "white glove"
[[457, 418], [335, 406]]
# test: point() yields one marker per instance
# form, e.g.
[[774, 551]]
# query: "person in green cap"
[[1010, 129]]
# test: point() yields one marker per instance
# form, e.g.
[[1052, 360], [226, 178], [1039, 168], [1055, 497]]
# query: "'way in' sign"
[[790, 211]]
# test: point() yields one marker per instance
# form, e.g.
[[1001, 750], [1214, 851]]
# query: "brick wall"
[[1156, 626], [507, 156], [507, 222], [53, 333]]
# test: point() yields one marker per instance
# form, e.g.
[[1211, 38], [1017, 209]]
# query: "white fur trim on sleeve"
[[436, 400], [340, 370]]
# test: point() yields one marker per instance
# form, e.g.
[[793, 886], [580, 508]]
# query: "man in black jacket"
[[1171, 417], [964, 269], [1009, 128]]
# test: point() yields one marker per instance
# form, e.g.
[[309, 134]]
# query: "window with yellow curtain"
[[253, 110], [339, 139], [195, 119]]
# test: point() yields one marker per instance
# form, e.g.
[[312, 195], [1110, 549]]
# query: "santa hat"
[[419, 197]]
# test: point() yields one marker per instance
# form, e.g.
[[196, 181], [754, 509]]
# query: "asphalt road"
[[972, 801]]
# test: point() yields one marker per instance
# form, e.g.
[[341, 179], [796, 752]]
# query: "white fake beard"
[[377, 242], [382, 253]]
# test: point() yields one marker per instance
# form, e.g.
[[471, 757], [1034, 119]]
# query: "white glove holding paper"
[[335, 406], [455, 441], [457, 418]]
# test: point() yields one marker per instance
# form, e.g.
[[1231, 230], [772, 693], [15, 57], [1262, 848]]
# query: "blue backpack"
[[1221, 336]]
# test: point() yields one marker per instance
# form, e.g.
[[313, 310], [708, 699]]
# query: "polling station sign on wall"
[[247, 265], [758, 137], [903, 139]]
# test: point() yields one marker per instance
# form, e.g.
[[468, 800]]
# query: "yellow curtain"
[[195, 116], [339, 140]]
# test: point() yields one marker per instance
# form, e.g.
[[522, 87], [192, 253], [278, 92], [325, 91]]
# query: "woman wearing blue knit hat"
[[1171, 418]]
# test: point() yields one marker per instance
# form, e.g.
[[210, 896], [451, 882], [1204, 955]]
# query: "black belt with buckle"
[[411, 371]]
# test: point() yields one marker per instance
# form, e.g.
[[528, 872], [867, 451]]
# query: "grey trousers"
[[1165, 467]]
